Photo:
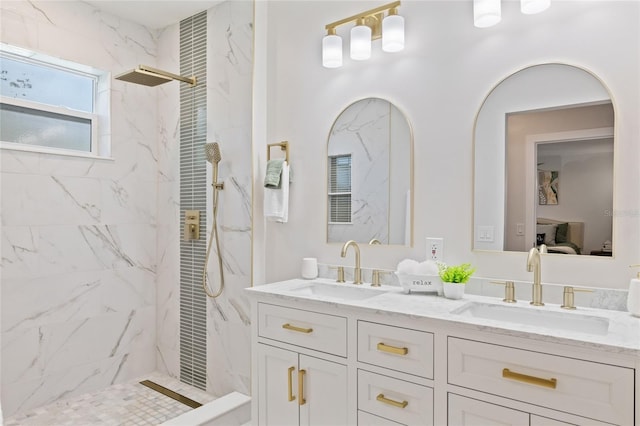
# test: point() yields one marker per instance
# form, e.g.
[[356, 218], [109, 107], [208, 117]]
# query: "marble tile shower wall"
[[229, 108], [78, 309]]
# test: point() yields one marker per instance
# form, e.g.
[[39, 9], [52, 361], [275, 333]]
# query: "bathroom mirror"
[[544, 159], [370, 175]]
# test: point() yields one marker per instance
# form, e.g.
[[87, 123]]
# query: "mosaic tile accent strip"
[[193, 196]]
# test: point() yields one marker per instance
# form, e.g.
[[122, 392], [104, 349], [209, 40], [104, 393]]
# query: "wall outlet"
[[435, 249]]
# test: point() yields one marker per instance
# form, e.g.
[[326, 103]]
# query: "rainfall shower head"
[[148, 76], [212, 151]]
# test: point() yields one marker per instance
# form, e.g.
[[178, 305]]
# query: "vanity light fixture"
[[360, 41], [370, 25], [487, 13], [393, 31], [530, 7], [332, 50]]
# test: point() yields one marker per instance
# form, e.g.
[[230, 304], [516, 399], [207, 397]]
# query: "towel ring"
[[284, 146]]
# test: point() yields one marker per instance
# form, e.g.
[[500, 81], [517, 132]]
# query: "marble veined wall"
[[79, 236], [229, 108]]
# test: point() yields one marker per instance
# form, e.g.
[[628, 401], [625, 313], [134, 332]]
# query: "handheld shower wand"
[[212, 152]]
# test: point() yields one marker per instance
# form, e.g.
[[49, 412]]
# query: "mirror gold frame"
[[536, 88]]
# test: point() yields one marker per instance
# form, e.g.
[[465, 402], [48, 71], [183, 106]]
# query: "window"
[[49, 105], [340, 189]]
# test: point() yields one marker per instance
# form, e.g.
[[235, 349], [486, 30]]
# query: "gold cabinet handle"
[[301, 400], [548, 383], [291, 397], [388, 401], [392, 349], [288, 326]]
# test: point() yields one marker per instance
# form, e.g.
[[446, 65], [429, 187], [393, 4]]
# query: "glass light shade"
[[486, 13], [332, 51], [393, 33], [530, 7], [360, 42]]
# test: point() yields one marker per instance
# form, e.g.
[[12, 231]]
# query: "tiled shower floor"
[[123, 404]]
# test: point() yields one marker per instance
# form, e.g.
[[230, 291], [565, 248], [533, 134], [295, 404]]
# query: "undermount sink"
[[336, 291], [568, 321]]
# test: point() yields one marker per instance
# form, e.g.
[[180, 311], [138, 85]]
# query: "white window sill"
[[10, 146]]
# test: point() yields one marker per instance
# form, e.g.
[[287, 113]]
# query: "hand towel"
[[276, 200], [274, 172]]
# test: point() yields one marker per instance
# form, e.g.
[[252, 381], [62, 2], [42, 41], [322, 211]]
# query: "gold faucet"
[[357, 273], [533, 265]]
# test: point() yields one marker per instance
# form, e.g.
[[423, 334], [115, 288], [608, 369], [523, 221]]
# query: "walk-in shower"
[[212, 152]]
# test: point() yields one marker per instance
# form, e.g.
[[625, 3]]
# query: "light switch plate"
[[485, 234]]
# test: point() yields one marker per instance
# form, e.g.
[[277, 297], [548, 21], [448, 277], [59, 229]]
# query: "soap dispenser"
[[633, 298]]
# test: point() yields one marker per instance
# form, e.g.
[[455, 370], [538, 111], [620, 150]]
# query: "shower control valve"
[[191, 225]]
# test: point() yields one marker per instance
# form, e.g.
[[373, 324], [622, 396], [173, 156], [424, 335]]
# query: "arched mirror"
[[370, 175], [544, 158]]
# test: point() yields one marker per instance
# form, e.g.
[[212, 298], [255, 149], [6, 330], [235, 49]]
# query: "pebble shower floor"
[[124, 404]]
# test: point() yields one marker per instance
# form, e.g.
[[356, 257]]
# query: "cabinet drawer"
[[394, 399], [366, 419], [321, 332], [400, 349], [589, 389], [462, 411]]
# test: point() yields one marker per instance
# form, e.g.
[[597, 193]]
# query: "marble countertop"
[[622, 336]]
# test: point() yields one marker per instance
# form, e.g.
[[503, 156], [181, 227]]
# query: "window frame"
[[331, 194], [100, 147]]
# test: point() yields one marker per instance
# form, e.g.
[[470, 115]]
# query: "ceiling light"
[[486, 13], [530, 7], [393, 32]]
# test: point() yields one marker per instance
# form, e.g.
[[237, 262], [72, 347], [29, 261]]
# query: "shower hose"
[[214, 233]]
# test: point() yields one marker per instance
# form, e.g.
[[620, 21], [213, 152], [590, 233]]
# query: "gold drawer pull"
[[548, 383], [301, 400], [290, 384], [298, 329], [388, 401], [392, 349]]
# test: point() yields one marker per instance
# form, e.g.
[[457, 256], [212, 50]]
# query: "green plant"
[[459, 274]]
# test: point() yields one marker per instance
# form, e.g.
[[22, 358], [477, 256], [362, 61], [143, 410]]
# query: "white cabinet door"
[[298, 389], [277, 386], [324, 389], [472, 412]]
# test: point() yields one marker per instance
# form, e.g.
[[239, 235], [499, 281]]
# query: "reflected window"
[[340, 189]]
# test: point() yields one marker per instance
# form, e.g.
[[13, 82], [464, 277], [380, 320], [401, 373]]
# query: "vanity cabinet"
[[327, 363], [301, 386]]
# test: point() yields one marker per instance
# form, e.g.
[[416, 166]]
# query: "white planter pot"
[[453, 290]]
